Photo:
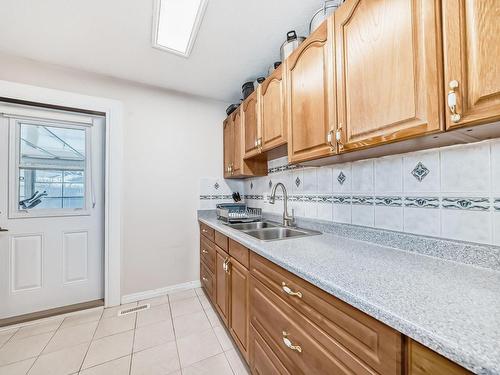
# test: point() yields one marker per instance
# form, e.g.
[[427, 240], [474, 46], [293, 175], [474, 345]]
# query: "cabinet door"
[[228, 146], [239, 305], [272, 110], [310, 106], [222, 285], [389, 71], [237, 152], [423, 361], [250, 125], [471, 32]]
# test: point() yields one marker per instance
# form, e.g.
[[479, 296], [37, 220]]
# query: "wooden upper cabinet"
[[272, 110], [228, 146], [234, 165], [310, 105], [250, 122], [237, 149], [389, 71], [471, 34]]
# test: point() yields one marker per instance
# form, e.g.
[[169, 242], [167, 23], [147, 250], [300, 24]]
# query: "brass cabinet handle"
[[227, 262], [204, 251], [224, 265], [204, 279], [289, 344], [338, 137], [258, 144], [289, 291], [204, 230], [452, 101], [329, 139]]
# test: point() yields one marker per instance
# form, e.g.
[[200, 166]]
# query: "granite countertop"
[[450, 307]]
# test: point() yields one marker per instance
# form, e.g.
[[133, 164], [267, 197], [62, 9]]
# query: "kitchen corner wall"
[[452, 192], [171, 140]]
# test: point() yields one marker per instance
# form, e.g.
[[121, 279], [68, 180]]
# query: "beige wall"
[[171, 140]]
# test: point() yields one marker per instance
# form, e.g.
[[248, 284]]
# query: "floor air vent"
[[134, 309]]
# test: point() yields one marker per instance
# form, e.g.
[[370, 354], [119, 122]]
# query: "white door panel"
[[53, 252], [26, 259]]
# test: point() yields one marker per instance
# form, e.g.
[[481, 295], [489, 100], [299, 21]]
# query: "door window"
[[51, 168]]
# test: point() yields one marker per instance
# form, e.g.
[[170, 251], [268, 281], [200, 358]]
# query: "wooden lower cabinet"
[[222, 285], [239, 305], [281, 324], [374, 343], [302, 346], [423, 361]]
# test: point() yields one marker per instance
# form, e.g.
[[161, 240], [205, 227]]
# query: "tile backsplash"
[[218, 190], [451, 192]]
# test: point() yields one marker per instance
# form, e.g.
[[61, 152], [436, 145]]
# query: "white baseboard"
[[134, 297]]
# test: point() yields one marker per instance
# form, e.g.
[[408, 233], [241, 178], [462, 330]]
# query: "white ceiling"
[[237, 41]]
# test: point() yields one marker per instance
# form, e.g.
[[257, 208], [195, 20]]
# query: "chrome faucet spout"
[[288, 220]]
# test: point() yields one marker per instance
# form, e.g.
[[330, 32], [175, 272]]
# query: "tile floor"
[[179, 334]]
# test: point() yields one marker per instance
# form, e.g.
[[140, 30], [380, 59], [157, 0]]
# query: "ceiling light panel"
[[176, 24]]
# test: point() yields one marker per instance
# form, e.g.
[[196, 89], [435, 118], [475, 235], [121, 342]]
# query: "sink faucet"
[[288, 220]]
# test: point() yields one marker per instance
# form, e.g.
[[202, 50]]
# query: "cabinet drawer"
[[206, 231], [221, 241], [239, 252], [318, 353], [207, 253], [263, 361], [372, 341], [207, 280]]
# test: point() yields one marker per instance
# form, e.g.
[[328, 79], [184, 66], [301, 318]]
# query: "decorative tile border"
[[341, 199], [254, 197], [454, 203], [215, 197], [282, 168], [389, 201], [362, 200], [422, 202], [324, 198], [476, 204]]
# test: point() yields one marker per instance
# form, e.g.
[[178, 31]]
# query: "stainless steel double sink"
[[270, 231]]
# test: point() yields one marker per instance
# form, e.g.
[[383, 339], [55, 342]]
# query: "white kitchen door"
[[51, 209]]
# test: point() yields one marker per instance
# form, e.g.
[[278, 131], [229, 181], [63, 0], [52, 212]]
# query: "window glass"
[[51, 167]]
